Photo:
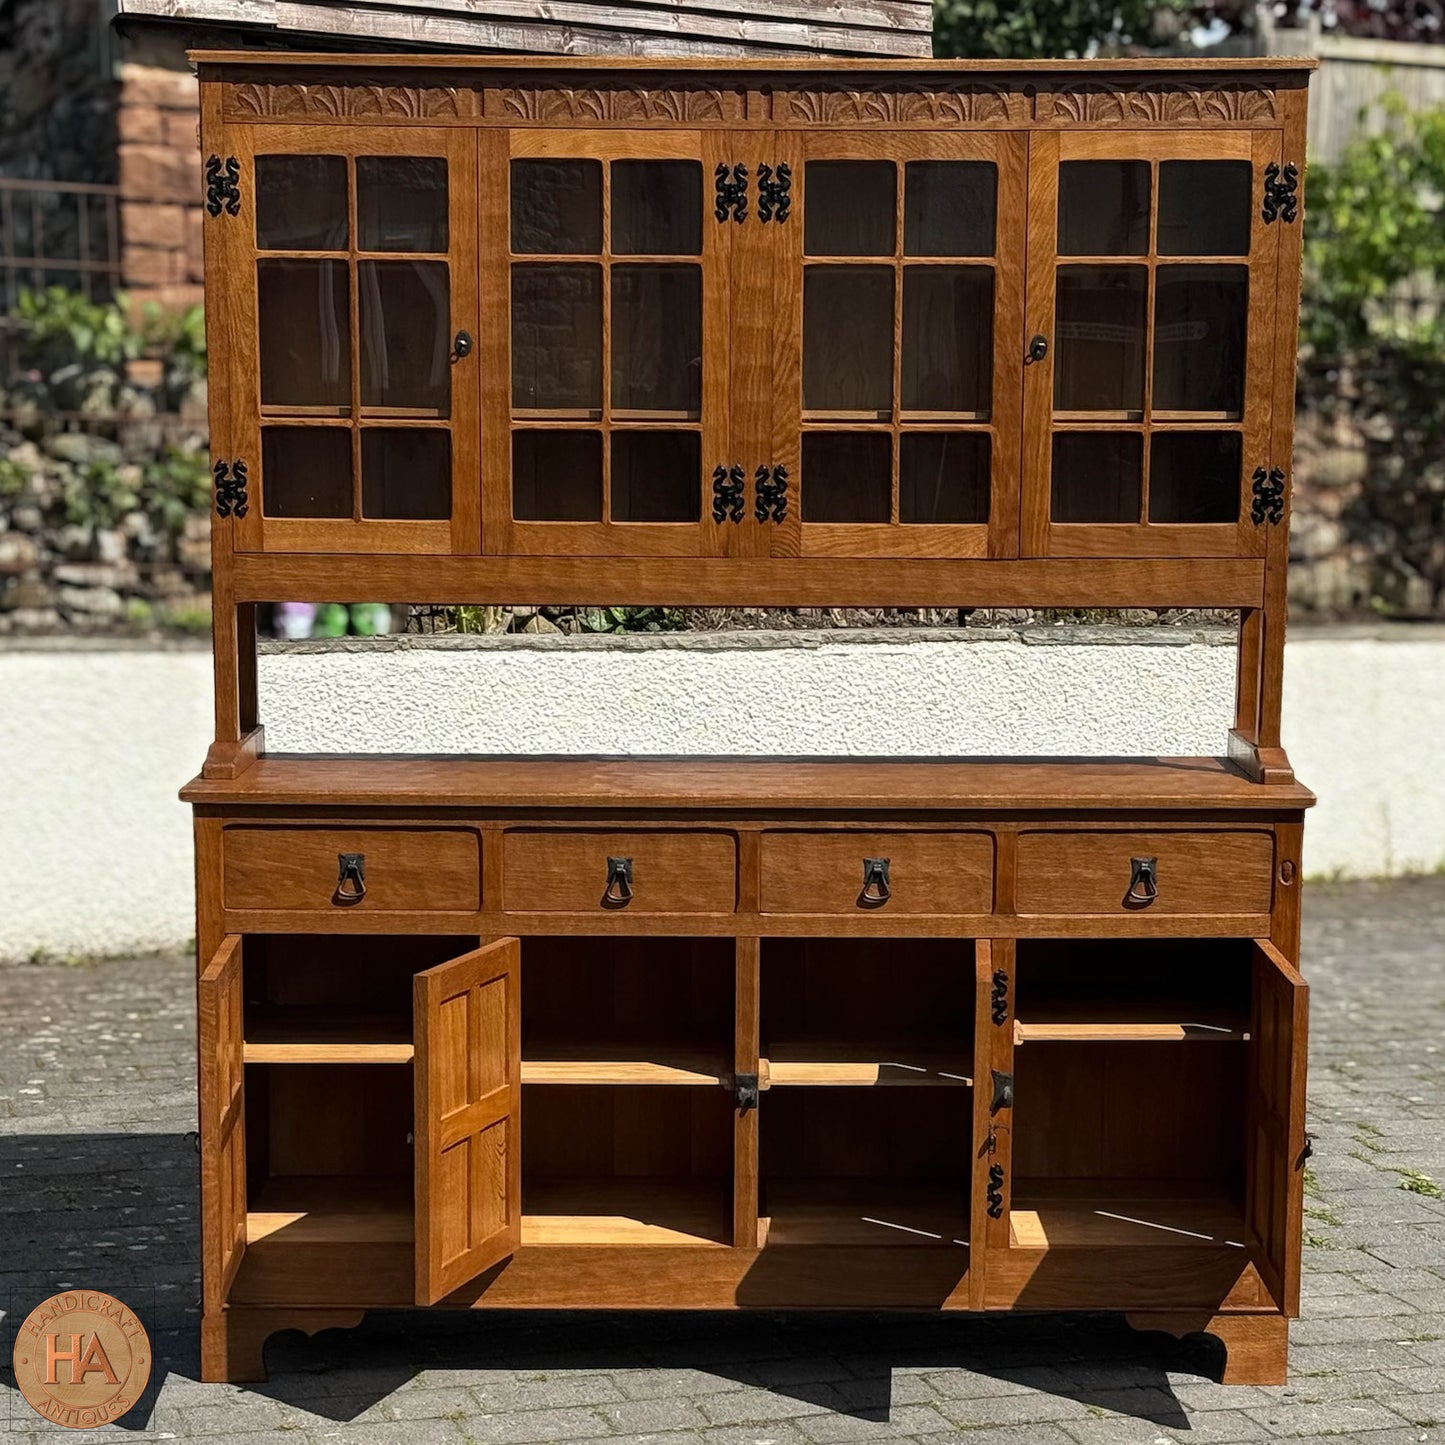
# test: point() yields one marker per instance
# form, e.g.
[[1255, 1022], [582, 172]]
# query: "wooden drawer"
[[403, 870], [557, 871], [920, 872], [1193, 873]]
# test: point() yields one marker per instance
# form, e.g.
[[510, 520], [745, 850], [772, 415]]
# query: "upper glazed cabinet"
[[875, 341]]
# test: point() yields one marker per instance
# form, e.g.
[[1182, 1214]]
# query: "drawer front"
[[1110, 873], [555, 871], [877, 873], [402, 870]]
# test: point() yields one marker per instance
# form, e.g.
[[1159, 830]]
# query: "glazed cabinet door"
[[898, 317], [351, 396], [1151, 307], [1278, 1147], [222, 1081], [467, 1024], [605, 352]]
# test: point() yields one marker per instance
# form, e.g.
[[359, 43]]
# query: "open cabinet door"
[[467, 1022], [1275, 1196], [222, 1121]]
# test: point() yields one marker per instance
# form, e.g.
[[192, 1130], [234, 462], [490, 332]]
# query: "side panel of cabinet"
[[350, 302], [467, 1022], [1151, 302], [605, 358], [222, 1122], [1279, 1039], [899, 320]]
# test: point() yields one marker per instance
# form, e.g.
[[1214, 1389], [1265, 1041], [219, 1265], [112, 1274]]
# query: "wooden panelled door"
[[1274, 1202], [219, 1011], [467, 1026], [349, 328], [897, 316], [1150, 327], [605, 350]]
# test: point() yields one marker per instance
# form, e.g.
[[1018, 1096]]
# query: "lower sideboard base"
[[1256, 1347]]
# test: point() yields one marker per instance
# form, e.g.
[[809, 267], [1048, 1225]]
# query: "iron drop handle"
[[350, 877], [1143, 880], [618, 892], [875, 881]]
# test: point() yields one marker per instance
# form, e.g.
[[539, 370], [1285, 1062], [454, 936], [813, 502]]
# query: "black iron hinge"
[[727, 493], [231, 483], [1268, 497], [775, 192], [223, 185], [1003, 1092], [995, 1191], [732, 192], [770, 494], [745, 1090], [1281, 193], [998, 997]]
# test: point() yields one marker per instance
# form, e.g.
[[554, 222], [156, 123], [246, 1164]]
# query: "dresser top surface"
[[802, 784]]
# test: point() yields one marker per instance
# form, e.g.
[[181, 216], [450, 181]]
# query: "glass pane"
[[657, 208], [1097, 476], [557, 337], [300, 203], [305, 326], [557, 476], [1204, 208], [847, 477], [848, 339], [949, 208], [656, 476], [657, 338], [406, 473], [943, 476], [306, 471], [401, 203], [1099, 338], [1194, 476], [1200, 313], [1104, 208], [405, 335], [557, 208], [947, 338], [850, 208]]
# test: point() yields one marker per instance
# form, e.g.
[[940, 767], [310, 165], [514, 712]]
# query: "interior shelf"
[[321, 1036], [834, 1065], [1127, 1022], [865, 1212], [610, 1063], [1051, 1214], [635, 1211], [331, 1209]]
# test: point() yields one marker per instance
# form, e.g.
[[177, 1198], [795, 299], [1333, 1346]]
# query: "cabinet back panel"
[[336, 1118], [351, 973]]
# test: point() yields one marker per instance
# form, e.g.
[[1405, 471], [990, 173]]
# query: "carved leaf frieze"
[[259, 101], [900, 104], [1163, 104], [625, 103]]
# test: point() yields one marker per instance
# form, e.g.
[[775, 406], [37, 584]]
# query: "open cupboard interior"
[[544, 1032]]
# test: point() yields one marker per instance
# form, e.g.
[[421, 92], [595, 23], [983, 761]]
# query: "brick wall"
[[160, 172]]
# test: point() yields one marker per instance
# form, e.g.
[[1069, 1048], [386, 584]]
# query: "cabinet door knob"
[[350, 877], [619, 883], [1038, 349], [461, 345], [1143, 880], [875, 881]]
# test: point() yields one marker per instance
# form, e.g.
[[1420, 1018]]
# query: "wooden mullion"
[[900, 266], [605, 421], [1150, 300], [354, 301], [747, 971]]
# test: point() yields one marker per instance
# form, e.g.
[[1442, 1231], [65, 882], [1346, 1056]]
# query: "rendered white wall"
[[95, 848]]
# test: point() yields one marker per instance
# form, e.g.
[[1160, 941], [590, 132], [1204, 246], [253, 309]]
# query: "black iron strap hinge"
[[1267, 504], [728, 502], [775, 192], [995, 1191], [1281, 193], [223, 185], [770, 494], [231, 482], [745, 1088], [731, 183], [998, 997]]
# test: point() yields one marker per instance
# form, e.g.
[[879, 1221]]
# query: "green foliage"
[[630, 619], [62, 326], [174, 486], [1032, 29], [1375, 222]]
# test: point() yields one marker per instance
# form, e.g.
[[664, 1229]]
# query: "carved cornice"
[[1158, 103], [258, 100], [922, 104], [615, 104]]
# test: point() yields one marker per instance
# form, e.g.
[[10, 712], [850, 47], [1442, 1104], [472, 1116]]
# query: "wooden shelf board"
[[850, 1065], [553, 1063], [768, 784], [865, 1212], [322, 1036], [308, 1052], [1125, 1212], [1127, 1023], [331, 1209], [636, 1211]]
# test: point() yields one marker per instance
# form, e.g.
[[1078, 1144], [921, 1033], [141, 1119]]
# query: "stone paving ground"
[[98, 1188]]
